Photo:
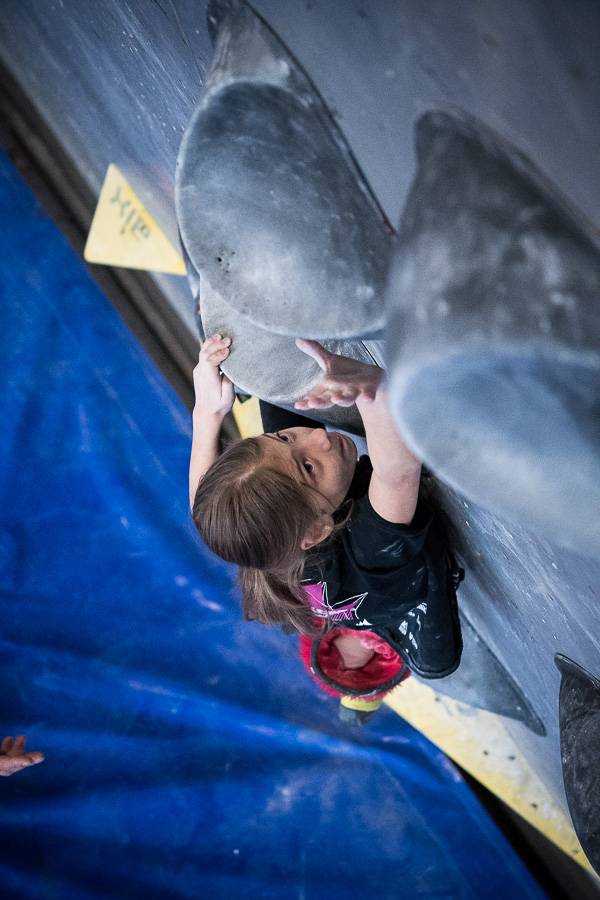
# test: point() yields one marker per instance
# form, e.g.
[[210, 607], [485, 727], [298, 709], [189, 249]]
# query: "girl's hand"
[[214, 391], [345, 380]]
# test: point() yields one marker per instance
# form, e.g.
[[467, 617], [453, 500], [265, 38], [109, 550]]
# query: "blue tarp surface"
[[188, 754]]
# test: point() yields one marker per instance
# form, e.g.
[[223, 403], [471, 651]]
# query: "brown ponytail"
[[256, 517]]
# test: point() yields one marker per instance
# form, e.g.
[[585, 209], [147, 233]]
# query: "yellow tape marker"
[[479, 742], [247, 418], [123, 233]]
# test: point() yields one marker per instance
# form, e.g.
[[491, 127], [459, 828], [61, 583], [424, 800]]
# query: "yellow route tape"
[[123, 233]]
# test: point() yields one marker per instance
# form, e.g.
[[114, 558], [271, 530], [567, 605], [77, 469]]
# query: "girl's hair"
[[254, 516]]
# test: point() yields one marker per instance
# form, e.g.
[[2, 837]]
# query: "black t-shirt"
[[372, 572]]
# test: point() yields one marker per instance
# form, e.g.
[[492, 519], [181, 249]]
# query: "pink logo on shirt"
[[341, 611]]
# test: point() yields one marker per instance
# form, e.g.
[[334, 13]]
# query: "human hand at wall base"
[[344, 380], [13, 757]]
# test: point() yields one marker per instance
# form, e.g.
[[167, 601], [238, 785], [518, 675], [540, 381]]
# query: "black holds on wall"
[[494, 333], [579, 719]]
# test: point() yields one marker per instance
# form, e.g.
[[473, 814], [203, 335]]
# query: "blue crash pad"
[[188, 754]]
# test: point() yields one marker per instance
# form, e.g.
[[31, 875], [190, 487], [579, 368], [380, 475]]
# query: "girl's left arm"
[[394, 485], [214, 398]]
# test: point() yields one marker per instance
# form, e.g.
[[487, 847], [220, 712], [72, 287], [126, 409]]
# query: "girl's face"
[[325, 460]]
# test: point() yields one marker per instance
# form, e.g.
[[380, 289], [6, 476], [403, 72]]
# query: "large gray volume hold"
[[273, 211], [494, 333]]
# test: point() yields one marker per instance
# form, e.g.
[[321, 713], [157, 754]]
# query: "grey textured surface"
[[271, 208], [529, 599], [482, 681], [529, 69], [117, 83], [493, 333]]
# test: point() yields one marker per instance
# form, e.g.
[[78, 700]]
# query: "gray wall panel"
[[116, 82]]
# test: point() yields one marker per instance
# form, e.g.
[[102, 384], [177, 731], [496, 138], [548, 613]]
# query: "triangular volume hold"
[[123, 233]]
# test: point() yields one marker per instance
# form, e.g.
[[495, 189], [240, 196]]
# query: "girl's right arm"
[[214, 398], [394, 486]]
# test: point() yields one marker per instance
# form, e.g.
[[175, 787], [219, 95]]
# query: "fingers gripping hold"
[[344, 380], [314, 349], [213, 390]]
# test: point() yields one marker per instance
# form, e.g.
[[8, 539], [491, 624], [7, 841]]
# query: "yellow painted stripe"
[[247, 417], [479, 742]]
